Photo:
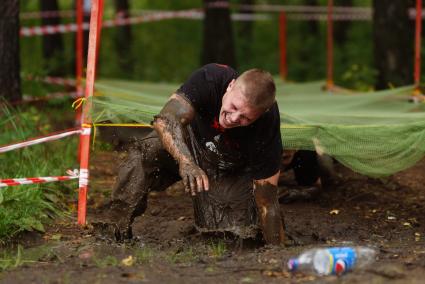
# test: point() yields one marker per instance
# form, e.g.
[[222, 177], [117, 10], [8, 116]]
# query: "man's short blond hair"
[[258, 87]]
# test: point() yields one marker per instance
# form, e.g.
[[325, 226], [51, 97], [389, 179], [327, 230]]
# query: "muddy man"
[[219, 133]]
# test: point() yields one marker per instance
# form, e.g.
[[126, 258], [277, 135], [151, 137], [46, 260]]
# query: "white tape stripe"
[[38, 141], [23, 181], [84, 178], [86, 131]]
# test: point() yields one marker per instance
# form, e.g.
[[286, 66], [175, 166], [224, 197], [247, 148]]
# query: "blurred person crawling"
[[220, 134]]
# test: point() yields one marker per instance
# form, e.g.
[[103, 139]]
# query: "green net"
[[374, 133]]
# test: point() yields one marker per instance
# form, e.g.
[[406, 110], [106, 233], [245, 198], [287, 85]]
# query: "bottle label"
[[346, 255]]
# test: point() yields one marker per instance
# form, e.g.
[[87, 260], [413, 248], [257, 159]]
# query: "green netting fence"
[[373, 133]]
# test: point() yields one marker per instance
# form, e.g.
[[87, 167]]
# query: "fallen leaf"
[[391, 218], [128, 261], [417, 237], [56, 237], [334, 212], [86, 254]]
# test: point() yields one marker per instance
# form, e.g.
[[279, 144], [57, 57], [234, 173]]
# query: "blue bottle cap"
[[293, 264]]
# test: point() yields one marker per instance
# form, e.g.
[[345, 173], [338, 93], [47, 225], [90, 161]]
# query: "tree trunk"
[[10, 83], [393, 34], [341, 28], [313, 26], [123, 39], [245, 30], [218, 42]]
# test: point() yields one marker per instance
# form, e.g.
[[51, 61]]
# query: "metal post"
[[283, 67], [94, 38]]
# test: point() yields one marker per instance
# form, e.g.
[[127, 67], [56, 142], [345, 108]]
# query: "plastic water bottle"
[[336, 260]]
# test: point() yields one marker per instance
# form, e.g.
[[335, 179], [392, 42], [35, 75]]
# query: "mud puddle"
[[388, 214]]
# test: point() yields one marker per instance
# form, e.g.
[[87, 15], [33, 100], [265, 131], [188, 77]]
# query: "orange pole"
[[283, 67], [99, 23], [417, 73], [79, 63], [79, 47], [329, 58], [94, 38]]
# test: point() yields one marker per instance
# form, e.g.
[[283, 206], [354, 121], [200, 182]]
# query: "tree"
[[341, 29], [245, 30], [10, 83], [52, 44], [218, 42], [393, 34], [123, 39]]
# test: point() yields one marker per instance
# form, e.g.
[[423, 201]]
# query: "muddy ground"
[[388, 214]]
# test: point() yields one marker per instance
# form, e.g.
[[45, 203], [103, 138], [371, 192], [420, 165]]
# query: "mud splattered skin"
[[271, 220], [169, 124]]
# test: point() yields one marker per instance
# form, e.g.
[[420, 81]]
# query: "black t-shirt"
[[256, 147]]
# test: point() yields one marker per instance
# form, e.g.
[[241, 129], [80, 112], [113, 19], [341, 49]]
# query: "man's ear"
[[230, 86]]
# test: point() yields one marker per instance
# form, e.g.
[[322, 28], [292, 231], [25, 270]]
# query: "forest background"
[[170, 50]]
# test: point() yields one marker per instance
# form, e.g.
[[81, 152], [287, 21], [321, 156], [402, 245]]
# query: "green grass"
[[10, 260], [108, 260], [144, 255], [216, 249], [29, 207], [182, 256]]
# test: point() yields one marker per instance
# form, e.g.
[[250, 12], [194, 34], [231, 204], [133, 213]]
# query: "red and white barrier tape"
[[220, 4], [288, 8], [53, 80], [66, 28], [57, 95], [46, 14], [49, 96], [39, 140], [49, 30], [22, 181], [335, 17]]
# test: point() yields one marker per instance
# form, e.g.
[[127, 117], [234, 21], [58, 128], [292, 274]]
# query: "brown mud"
[[388, 214]]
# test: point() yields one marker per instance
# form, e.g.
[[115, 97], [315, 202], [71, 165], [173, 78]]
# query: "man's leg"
[[271, 219], [307, 172], [228, 206], [147, 167]]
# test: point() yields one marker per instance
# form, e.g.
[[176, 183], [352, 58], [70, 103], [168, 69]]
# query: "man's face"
[[235, 110]]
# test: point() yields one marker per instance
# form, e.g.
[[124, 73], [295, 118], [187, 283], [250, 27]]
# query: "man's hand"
[[194, 178]]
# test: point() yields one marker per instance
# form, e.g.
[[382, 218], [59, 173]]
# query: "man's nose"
[[234, 117]]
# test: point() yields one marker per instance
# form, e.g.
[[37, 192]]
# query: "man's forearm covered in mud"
[[170, 124]]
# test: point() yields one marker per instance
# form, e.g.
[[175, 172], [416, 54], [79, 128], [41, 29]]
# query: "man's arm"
[[265, 194], [169, 124]]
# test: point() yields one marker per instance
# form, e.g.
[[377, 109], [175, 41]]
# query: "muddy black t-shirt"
[[256, 147]]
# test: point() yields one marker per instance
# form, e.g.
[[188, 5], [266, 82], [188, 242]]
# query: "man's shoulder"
[[269, 122], [215, 71]]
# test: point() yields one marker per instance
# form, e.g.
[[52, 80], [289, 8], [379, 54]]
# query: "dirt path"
[[388, 214]]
